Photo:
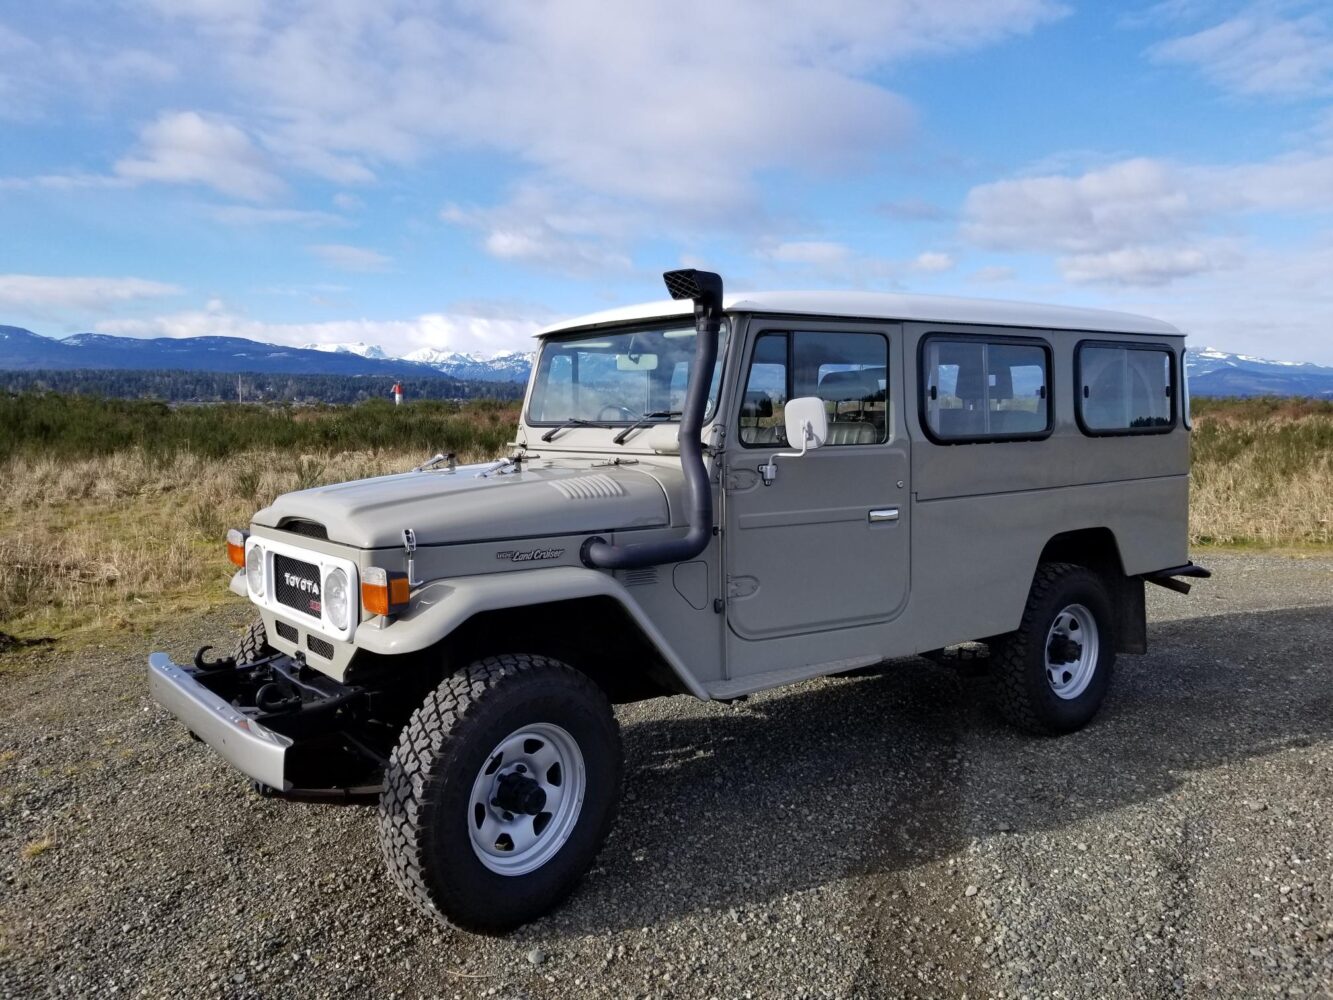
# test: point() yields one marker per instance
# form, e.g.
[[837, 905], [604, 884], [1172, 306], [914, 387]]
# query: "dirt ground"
[[871, 836]]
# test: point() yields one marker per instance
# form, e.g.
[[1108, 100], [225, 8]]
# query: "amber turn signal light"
[[384, 592], [236, 546]]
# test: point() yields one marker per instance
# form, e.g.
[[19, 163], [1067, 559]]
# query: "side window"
[[765, 393], [849, 371], [1124, 389], [980, 389]]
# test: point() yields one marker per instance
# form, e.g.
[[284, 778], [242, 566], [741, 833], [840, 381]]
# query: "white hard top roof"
[[889, 305]]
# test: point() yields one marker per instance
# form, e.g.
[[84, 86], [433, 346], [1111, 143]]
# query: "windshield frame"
[[638, 326]]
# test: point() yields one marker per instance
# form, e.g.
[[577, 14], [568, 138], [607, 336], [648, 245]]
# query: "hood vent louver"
[[594, 487], [300, 526]]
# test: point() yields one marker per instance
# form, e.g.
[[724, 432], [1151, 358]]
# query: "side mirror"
[[807, 422], [807, 426]]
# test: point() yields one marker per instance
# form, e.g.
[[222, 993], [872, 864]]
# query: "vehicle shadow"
[[867, 775]]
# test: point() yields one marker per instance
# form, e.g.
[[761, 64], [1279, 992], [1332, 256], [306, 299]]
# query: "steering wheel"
[[623, 412]]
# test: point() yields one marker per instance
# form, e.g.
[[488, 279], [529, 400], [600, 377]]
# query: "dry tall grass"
[[1262, 473], [95, 544]]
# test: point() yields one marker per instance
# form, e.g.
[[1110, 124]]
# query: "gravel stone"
[[812, 842]]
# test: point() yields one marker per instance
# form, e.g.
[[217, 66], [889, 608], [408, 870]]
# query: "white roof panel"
[[891, 306]]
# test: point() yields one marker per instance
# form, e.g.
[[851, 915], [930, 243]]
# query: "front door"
[[825, 545]]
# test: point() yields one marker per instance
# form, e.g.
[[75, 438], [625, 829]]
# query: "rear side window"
[[1124, 389], [985, 389]]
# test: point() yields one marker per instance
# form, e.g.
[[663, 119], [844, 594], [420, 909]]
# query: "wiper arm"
[[644, 421], [571, 422]]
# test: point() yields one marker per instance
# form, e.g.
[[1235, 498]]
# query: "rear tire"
[[1053, 672], [254, 644], [500, 792]]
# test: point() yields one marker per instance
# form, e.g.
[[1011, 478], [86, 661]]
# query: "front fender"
[[441, 606]]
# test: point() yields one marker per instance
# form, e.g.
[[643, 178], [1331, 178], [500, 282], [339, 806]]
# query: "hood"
[[443, 507]]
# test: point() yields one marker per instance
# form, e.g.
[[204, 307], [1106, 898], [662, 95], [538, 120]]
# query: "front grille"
[[296, 584], [288, 632], [319, 647]]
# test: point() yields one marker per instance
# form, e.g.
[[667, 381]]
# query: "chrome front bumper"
[[242, 742]]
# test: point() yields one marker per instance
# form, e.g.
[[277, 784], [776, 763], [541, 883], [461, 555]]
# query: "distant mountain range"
[[23, 350], [1219, 373], [1212, 372]]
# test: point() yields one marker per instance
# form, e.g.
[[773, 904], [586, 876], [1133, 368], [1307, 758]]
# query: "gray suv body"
[[708, 496]]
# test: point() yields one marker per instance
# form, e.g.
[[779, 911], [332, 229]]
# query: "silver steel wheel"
[[1071, 651], [526, 799]]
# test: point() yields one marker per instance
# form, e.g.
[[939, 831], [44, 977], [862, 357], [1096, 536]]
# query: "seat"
[[852, 432], [848, 387], [861, 387]]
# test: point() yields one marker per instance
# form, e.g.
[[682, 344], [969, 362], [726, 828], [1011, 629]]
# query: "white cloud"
[[36, 294], [1260, 52], [568, 233], [993, 274], [1143, 221], [1132, 201], [912, 210], [933, 262], [250, 215], [1147, 265], [63, 182], [1278, 307], [814, 252], [185, 147], [669, 109], [349, 258], [454, 331]]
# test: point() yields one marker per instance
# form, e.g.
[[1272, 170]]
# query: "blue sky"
[[452, 175]]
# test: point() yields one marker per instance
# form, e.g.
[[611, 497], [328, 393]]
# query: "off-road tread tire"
[[253, 645], [1009, 661], [446, 717]]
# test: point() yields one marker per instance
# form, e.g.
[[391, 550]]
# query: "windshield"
[[617, 377]]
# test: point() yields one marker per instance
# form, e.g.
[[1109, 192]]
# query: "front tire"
[[253, 645], [1052, 674], [500, 792]]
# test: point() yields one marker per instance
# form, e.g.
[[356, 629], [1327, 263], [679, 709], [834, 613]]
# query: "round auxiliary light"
[[254, 570], [337, 598]]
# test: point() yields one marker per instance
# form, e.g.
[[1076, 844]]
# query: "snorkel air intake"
[[705, 289]]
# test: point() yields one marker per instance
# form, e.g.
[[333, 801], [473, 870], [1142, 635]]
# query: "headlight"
[[337, 599], [254, 569]]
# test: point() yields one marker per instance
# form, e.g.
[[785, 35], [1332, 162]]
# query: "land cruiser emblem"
[[531, 555]]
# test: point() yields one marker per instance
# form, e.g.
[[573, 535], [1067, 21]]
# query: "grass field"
[[1262, 472], [112, 513]]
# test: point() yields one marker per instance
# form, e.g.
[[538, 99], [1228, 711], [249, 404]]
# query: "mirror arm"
[[769, 472]]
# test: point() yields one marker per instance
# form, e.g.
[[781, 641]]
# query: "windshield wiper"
[[644, 421], [571, 422]]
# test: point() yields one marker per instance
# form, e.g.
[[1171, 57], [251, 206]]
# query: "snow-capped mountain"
[[361, 350], [1214, 372], [507, 366]]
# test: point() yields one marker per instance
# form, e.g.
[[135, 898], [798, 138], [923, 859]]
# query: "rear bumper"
[[251, 748]]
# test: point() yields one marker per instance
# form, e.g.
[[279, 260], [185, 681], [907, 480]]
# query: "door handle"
[[883, 515]]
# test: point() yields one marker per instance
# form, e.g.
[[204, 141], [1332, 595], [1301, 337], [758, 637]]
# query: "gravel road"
[[870, 836]]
